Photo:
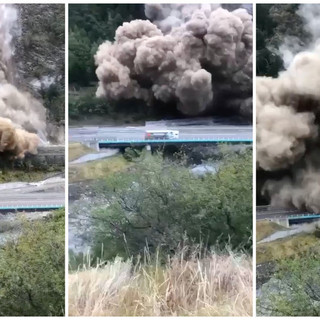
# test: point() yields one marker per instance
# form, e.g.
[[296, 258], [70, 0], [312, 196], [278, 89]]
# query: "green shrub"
[[300, 282], [131, 154], [88, 105], [32, 270], [160, 203]]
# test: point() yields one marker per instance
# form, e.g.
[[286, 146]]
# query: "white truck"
[[161, 134]]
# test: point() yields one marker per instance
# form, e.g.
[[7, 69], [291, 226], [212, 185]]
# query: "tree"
[[32, 269], [80, 59], [275, 23], [159, 202], [91, 25], [299, 279]]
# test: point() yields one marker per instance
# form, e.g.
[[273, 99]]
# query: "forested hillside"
[[89, 26], [275, 24]]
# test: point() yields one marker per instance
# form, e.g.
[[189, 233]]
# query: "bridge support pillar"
[[92, 144], [282, 221]]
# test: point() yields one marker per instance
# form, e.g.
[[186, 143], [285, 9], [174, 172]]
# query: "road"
[[268, 212], [20, 195], [186, 132]]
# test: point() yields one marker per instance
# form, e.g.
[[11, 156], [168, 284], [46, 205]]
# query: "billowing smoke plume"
[[300, 188], [16, 142], [288, 122], [18, 106], [22, 109], [197, 56]]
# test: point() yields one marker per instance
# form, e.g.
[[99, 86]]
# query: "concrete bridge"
[[44, 195], [284, 216], [19, 199], [163, 142], [34, 208]]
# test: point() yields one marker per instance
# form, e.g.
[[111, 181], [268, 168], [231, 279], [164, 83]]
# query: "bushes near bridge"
[[160, 203]]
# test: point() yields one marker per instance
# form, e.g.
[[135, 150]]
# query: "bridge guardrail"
[[304, 216], [207, 139], [28, 207]]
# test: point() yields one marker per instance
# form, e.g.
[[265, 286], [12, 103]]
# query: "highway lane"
[[55, 183], [268, 212], [32, 200], [192, 132], [42, 194]]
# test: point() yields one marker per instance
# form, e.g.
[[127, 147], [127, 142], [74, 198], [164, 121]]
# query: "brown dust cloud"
[[196, 57], [22, 117], [288, 122]]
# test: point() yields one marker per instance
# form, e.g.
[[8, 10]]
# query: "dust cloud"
[[16, 142], [198, 57], [288, 122], [26, 114]]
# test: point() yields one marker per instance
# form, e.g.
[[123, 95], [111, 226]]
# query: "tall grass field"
[[188, 284]]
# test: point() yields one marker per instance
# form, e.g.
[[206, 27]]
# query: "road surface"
[[268, 212], [219, 131], [49, 193]]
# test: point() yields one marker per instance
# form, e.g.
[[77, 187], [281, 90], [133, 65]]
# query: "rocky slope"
[[39, 54]]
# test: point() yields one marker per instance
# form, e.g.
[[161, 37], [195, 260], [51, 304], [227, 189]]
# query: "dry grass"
[[216, 285], [294, 246], [21, 175], [77, 150], [266, 228], [97, 169]]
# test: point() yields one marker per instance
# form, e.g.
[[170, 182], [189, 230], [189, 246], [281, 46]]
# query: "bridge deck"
[[124, 143], [37, 201], [269, 212], [7, 209]]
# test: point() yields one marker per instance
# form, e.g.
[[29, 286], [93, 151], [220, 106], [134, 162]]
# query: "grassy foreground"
[[215, 285]]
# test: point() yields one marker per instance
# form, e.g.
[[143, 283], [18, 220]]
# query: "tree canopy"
[[160, 203], [32, 270], [89, 26], [275, 22]]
